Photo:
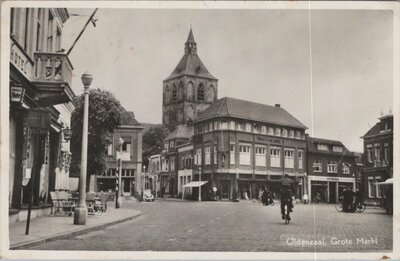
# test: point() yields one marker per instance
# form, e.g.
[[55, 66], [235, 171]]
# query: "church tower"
[[189, 89]]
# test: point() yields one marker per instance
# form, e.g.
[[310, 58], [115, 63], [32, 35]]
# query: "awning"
[[386, 182], [194, 184]]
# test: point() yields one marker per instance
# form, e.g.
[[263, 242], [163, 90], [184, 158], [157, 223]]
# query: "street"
[[171, 225]]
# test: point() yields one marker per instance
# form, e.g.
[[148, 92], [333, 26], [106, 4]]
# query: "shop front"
[[328, 189]]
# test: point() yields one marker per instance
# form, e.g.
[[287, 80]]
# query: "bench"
[[61, 202]]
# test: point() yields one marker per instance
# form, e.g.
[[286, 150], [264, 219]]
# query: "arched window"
[[189, 91], [200, 93], [166, 94], [210, 94], [180, 91], [174, 94]]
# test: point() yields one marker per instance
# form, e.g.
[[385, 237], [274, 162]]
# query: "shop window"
[[371, 188], [317, 166], [275, 157], [378, 189]]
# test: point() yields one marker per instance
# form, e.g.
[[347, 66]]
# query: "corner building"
[[241, 147]]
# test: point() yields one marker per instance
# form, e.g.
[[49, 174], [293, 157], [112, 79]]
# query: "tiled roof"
[[190, 64], [378, 127], [231, 107], [181, 132], [311, 141]]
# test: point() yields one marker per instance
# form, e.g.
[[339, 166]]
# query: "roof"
[[190, 64], [181, 132], [378, 127], [231, 107], [312, 140]]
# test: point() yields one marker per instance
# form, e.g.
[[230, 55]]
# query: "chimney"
[[277, 105]]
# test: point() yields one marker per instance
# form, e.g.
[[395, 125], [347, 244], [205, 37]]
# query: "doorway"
[[332, 192], [225, 188]]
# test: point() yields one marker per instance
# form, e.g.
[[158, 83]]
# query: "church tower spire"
[[190, 45]]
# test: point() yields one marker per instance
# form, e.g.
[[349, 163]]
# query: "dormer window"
[[337, 149], [322, 147]]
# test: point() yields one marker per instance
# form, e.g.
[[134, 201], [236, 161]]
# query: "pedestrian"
[[318, 198], [264, 198], [305, 198]]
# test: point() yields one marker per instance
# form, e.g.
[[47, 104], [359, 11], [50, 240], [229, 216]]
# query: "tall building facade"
[[378, 157], [331, 167], [40, 106], [241, 147], [189, 89]]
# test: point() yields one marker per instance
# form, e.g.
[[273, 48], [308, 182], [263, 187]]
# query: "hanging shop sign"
[[39, 118]]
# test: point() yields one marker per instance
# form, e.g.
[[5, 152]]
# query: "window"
[[369, 153], [232, 125], [244, 156], [210, 126], [386, 154], [322, 147], [126, 146], [275, 157], [300, 158], [270, 131], [50, 33], [206, 127], [215, 154], [232, 154], [172, 163], [207, 155], [174, 95], [197, 159], [39, 29], [289, 158], [371, 188], [278, 132], [248, 127], [264, 129], [215, 125], [378, 189], [317, 166], [260, 156], [26, 29], [377, 152], [291, 134], [200, 93], [332, 167], [298, 135], [109, 149], [224, 125], [58, 39], [346, 168], [256, 129], [284, 133], [240, 127], [337, 149], [181, 91]]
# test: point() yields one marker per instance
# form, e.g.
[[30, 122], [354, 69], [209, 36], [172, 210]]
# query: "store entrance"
[[225, 188], [332, 192]]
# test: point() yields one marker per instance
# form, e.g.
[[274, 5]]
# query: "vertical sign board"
[[39, 121]]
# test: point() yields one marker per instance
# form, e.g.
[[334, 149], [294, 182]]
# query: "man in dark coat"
[[287, 190]]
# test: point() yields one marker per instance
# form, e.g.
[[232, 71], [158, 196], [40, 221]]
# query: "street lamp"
[[80, 212], [143, 179], [118, 194], [200, 183]]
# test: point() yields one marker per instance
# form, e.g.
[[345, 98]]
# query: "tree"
[[152, 142], [104, 116]]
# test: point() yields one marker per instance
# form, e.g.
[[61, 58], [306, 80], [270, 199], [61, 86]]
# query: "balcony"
[[50, 74], [52, 78]]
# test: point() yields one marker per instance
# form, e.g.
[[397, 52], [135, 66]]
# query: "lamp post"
[[200, 183], [80, 212], [143, 185], [118, 194]]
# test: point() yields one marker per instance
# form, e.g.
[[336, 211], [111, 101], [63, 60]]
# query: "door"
[[332, 192], [225, 189]]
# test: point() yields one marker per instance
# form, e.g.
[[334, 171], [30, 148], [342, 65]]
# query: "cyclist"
[[287, 190], [359, 199]]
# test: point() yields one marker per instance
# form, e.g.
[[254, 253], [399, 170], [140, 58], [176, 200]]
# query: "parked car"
[[147, 195]]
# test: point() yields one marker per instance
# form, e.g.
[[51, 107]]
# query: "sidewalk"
[[44, 229]]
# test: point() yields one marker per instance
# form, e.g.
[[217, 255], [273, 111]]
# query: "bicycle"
[[339, 205], [360, 207], [287, 213]]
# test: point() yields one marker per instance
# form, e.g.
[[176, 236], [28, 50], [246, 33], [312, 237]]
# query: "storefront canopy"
[[194, 184], [386, 182]]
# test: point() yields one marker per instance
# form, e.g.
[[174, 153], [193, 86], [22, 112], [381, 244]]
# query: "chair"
[[61, 203], [102, 202], [90, 202]]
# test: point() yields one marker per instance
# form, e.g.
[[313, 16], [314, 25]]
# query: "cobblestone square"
[[245, 226]]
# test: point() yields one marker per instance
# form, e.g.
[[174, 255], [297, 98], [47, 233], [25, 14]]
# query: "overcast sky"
[[257, 55]]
